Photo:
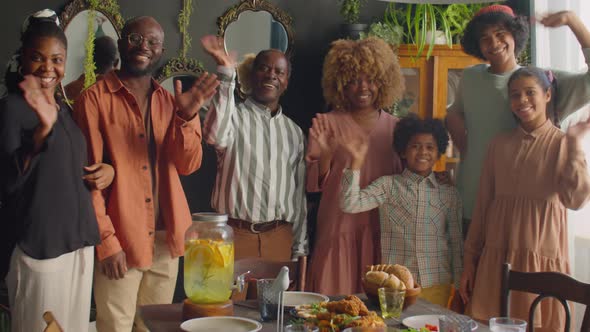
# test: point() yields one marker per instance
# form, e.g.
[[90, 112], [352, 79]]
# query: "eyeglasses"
[[136, 39]]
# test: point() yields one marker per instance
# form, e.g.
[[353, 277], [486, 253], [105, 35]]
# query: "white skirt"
[[61, 285]]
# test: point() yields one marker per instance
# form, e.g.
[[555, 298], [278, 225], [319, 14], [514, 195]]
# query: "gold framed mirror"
[[184, 69], [77, 19], [243, 25]]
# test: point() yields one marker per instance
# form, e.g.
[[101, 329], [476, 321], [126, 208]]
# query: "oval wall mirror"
[[255, 25], [186, 70], [74, 19], [269, 33]]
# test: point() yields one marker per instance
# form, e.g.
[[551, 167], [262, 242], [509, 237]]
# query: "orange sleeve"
[[86, 114], [184, 144]]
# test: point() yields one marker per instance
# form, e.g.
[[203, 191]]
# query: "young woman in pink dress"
[[360, 78], [531, 175]]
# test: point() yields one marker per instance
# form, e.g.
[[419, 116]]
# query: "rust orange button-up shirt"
[[111, 120]]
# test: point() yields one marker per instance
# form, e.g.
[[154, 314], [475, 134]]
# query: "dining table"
[[168, 317]]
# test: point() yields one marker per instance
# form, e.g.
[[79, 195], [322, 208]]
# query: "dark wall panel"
[[315, 22]]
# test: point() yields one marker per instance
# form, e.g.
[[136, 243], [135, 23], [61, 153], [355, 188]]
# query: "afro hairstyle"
[[348, 59], [411, 125], [518, 26]]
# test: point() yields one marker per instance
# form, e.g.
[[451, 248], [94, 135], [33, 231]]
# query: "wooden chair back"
[[261, 269], [545, 284]]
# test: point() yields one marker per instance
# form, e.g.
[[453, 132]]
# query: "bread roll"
[[376, 277], [404, 275], [392, 282]]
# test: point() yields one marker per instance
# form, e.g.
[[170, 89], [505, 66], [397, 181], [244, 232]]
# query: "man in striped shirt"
[[260, 158]]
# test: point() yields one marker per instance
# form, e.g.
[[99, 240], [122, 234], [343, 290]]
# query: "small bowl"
[[409, 299]]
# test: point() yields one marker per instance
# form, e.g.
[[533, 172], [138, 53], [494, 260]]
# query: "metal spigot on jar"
[[208, 266]]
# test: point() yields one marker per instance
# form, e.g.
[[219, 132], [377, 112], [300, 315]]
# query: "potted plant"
[[458, 15], [392, 34], [431, 24], [350, 11]]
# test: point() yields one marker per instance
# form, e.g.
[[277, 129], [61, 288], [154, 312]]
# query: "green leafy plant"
[[458, 15], [107, 6], [183, 23], [89, 65], [392, 34], [419, 20], [350, 10]]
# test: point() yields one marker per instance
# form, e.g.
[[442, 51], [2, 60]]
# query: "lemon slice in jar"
[[225, 254], [209, 252]]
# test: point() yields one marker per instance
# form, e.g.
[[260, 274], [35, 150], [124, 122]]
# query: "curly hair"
[[348, 59], [410, 126], [518, 26]]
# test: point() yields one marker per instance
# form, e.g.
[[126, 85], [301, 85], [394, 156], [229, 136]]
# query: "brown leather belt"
[[259, 227]]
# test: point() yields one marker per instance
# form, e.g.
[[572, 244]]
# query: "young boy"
[[420, 217]]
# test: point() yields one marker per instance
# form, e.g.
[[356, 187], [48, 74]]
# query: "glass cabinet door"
[[416, 97], [448, 71]]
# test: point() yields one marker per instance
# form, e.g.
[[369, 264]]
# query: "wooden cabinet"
[[431, 84]]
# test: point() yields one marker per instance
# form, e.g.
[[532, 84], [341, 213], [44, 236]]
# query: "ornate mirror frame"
[[231, 15], [182, 65], [108, 8]]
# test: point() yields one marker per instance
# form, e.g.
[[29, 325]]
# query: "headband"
[[495, 9]]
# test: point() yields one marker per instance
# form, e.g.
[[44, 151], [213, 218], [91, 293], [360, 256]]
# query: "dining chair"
[[259, 268], [52, 324], [545, 284]]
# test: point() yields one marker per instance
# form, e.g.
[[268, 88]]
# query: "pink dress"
[[527, 183], [346, 243]]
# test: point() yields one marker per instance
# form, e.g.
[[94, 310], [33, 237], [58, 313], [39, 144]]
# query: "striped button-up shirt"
[[420, 223], [260, 162]]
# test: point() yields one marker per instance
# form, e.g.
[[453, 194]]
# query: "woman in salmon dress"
[[360, 78], [530, 177]]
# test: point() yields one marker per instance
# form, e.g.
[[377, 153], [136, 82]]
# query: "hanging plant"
[[107, 6], [350, 10], [89, 65], [111, 7], [183, 23]]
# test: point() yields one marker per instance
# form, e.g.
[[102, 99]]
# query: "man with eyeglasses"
[[150, 137]]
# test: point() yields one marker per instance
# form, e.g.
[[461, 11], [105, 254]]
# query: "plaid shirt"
[[420, 223]]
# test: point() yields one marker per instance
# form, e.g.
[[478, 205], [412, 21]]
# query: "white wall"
[[559, 49]]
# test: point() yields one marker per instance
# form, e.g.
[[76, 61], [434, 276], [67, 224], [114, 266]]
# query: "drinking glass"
[[267, 300], [456, 323], [507, 324], [391, 302]]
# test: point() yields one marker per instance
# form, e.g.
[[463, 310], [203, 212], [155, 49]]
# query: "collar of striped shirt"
[[252, 104]]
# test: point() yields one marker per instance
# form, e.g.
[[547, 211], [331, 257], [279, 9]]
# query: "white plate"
[[221, 324], [293, 299], [418, 322]]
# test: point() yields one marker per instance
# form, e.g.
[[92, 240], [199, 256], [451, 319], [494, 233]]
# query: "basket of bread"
[[390, 276]]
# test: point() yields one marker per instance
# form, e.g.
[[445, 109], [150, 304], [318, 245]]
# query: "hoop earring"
[[19, 70]]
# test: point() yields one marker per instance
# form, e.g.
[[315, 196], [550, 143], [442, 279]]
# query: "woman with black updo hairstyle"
[[49, 225]]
